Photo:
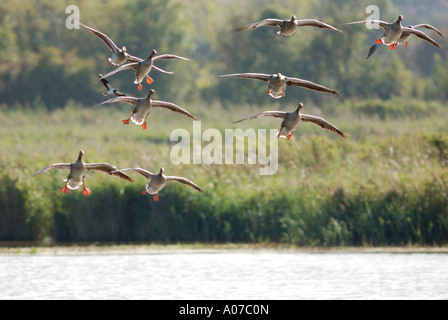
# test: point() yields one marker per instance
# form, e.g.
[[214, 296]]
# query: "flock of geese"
[[394, 34]]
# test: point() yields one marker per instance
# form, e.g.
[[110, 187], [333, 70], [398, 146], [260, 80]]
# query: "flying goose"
[[405, 37], [159, 180], [119, 56], [393, 32], [110, 89], [143, 106], [277, 83], [77, 173], [292, 119], [143, 67], [287, 27]]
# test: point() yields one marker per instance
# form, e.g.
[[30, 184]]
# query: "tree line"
[[43, 62]]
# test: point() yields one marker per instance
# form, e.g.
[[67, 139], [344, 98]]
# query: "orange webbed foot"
[[144, 126], [406, 44], [289, 136], [139, 87], [156, 197], [378, 41], [64, 189], [144, 192], [125, 121], [86, 191], [149, 80], [392, 47]]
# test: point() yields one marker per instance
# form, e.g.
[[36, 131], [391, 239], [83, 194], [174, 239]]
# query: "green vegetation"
[[385, 185], [43, 62]]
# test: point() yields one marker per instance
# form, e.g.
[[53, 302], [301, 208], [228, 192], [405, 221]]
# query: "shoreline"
[[198, 248]]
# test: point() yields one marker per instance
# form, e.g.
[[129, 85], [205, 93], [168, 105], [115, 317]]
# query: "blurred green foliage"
[[42, 61]]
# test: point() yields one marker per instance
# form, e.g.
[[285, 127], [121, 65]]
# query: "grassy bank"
[[198, 248], [385, 186]]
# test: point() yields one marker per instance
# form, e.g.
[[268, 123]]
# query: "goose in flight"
[[159, 180], [110, 89], [405, 36], [393, 32], [77, 172], [287, 27], [143, 106], [119, 56], [277, 83], [292, 119], [143, 67]]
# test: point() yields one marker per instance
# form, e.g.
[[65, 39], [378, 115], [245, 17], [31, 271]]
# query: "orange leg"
[[156, 197], [64, 189], [86, 191], [144, 192], [149, 80], [139, 87], [289, 136], [126, 121], [406, 44]]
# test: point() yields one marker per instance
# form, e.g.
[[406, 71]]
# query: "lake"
[[225, 274]]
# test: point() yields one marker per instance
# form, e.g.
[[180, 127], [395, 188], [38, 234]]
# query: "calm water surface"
[[225, 275]]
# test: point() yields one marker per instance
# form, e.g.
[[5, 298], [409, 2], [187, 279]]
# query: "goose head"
[[161, 171], [278, 76], [81, 153], [300, 106], [151, 92], [400, 18], [293, 18], [153, 53]]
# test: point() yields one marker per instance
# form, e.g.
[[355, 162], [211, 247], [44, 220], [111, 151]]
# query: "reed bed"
[[385, 185]]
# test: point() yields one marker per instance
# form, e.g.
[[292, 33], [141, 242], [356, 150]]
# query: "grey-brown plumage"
[[143, 106], [143, 67], [292, 119], [77, 172], [158, 181], [393, 32], [406, 35], [119, 55], [287, 27], [277, 83]]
